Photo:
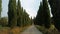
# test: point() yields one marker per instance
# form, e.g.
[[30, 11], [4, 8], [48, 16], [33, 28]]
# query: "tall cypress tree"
[[46, 14], [12, 14], [43, 15], [0, 7], [25, 18], [55, 9], [39, 20], [19, 14]]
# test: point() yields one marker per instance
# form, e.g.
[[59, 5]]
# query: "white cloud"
[[31, 6], [32, 13]]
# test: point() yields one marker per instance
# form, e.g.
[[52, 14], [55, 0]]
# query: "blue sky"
[[31, 7]]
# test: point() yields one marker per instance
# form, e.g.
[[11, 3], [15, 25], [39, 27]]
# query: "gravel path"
[[31, 30]]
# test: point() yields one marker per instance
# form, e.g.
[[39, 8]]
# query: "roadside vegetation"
[[51, 30], [43, 20], [18, 19]]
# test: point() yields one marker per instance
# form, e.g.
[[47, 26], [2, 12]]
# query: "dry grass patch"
[[4, 30], [15, 30]]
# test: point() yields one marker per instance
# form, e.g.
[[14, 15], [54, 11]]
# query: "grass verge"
[[51, 30]]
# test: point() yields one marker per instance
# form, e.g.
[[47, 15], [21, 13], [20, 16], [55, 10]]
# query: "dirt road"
[[31, 30]]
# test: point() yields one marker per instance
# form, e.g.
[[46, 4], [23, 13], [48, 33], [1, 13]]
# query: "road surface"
[[31, 30]]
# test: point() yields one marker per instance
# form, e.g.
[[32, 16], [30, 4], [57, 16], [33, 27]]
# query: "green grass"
[[41, 28], [51, 30]]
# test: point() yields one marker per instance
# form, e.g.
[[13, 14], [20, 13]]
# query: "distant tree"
[[0, 8], [55, 9], [25, 18], [31, 21], [34, 20], [12, 14]]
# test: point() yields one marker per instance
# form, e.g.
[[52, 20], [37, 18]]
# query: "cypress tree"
[[39, 20], [43, 15], [12, 14], [55, 9], [23, 17], [31, 21], [46, 14], [27, 20], [19, 14]]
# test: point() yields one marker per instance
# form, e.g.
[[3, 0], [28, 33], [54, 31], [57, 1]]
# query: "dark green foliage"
[[31, 21], [40, 16], [46, 14], [4, 21], [26, 18], [0, 7], [43, 15], [22, 17], [19, 14], [55, 9], [12, 14]]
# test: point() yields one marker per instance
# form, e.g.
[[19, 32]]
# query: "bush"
[[3, 21]]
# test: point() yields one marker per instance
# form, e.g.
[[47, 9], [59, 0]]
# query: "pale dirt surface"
[[31, 30]]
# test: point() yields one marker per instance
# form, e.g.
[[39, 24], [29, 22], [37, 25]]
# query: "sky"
[[31, 7]]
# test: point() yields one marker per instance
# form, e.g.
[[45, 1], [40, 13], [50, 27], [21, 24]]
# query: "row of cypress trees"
[[17, 16]]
